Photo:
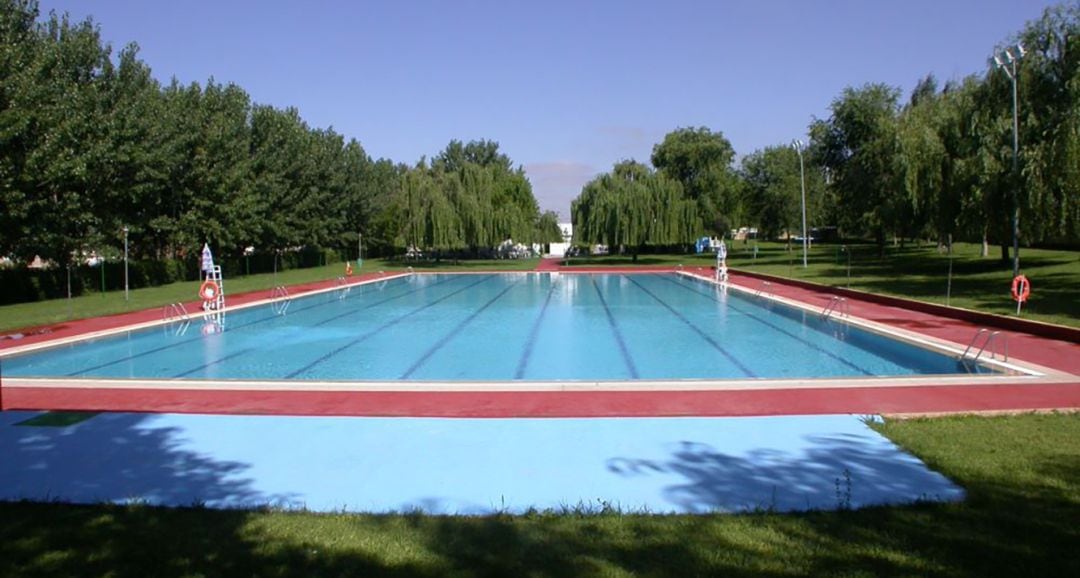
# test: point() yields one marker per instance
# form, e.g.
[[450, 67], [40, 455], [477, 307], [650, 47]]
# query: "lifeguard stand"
[[721, 263], [218, 302]]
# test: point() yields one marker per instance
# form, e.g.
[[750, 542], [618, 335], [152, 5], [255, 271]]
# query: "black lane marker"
[[618, 334], [708, 339], [366, 307], [530, 342], [454, 332], [384, 326], [809, 344], [249, 324], [251, 349], [214, 362]]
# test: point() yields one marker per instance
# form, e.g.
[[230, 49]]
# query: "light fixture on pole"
[[125, 263], [798, 146], [1008, 65]]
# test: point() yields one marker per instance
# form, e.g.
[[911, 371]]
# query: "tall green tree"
[[701, 160], [773, 190], [54, 108], [19, 49], [858, 145], [1049, 84]]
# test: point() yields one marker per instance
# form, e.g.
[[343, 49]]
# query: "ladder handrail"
[[762, 288], [280, 292], [991, 342], [836, 304], [972, 342], [175, 311]]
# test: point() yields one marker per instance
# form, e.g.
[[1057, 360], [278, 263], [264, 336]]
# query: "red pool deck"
[[1051, 347]]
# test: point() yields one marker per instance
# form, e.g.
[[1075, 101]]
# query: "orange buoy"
[[209, 290], [1021, 289]]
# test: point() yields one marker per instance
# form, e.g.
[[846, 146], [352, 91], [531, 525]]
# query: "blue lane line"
[[530, 342], [615, 330], [384, 326], [454, 332], [248, 324], [809, 344], [708, 339]]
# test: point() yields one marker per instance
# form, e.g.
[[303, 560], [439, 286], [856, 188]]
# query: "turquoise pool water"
[[501, 327]]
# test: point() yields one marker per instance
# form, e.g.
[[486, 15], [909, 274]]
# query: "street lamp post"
[[1008, 65], [798, 146], [125, 263]]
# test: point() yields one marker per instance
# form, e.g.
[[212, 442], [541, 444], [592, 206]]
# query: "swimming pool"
[[502, 327]]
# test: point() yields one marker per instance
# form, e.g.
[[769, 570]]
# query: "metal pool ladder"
[[281, 299], [343, 288], [175, 312], [989, 341], [837, 305]]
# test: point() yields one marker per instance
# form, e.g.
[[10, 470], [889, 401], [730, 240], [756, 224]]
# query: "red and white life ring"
[[1021, 288], [209, 290]]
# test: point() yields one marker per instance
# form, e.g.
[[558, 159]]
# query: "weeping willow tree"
[[469, 197], [429, 219], [633, 207]]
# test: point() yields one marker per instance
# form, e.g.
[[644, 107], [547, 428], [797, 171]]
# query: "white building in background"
[[559, 249]]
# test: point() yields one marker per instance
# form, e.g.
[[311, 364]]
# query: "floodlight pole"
[[125, 263], [1009, 68], [798, 146]]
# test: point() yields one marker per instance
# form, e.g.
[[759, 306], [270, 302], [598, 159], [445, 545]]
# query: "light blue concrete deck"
[[463, 466]]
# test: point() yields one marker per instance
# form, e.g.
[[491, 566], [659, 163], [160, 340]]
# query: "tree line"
[[936, 166], [93, 149]]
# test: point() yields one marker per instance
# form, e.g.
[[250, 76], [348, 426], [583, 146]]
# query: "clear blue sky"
[[566, 87]]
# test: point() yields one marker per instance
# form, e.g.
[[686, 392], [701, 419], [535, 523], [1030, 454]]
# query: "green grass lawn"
[[1022, 475], [96, 304], [980, 283]]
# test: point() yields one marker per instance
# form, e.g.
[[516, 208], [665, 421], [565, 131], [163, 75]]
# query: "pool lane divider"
[[530, 341], [776, 327], [383, 327], [627, 358], [701, 333], [249, 324], [455, 331]]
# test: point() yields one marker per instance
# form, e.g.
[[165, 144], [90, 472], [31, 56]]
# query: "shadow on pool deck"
[[115, 458]]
